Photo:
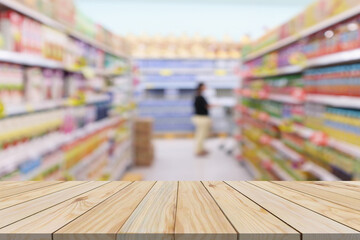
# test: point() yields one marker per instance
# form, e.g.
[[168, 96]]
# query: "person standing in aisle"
[[201, 120]]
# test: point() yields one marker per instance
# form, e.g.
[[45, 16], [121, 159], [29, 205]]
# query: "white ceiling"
[[215, 18]]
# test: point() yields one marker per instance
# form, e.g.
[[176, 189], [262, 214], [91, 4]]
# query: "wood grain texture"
[[323, 194], [180, 211], [347, 185], [310, 224], [29, 186], [334, 188], [23, 210], [154, 218], [13, 184], [356, 184], [250, 220], [27, 196], [346, 216], [105, 220], [41, 225], [199, 217]]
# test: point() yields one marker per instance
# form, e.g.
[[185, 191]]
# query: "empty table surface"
[[180, 210]]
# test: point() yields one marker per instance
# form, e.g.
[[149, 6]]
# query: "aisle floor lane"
[[175, 160]]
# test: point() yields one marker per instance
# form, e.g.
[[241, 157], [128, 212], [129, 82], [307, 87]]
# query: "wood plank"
[[27, 196], [25, 188], [105, 220], [356, 183], [199, 217], [42, 225], [333, 188], [154, 218], [310, 224], [354, 186], [23, 210], [241, 211], [323, 194], [13, 184], [344, 215]]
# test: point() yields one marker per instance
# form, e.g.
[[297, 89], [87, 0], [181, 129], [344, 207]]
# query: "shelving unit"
[[317, 131], [81, 127], [166, 90]]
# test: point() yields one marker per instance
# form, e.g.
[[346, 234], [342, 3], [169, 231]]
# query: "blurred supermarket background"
[[104, 89]]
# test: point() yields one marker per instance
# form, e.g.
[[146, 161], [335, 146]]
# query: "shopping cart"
[[228, 143]]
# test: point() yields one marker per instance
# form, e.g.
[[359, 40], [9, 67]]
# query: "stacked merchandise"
[[300, 99], [318, 12], [144, 148], [60, 95], [64, 15]]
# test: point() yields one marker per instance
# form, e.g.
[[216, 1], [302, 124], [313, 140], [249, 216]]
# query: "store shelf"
[[284, 176], [330, 59], [307, 32], [11, 163], [79, 170], [284, 99], [28, 60], [335, 101], [289, 153], [18, 7], [341, 146], [336, 58], [120, 170], [21, 8], [18, 109], [319, 172], [288, 70]]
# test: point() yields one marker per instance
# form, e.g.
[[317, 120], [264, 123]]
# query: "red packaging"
[[11, 27]]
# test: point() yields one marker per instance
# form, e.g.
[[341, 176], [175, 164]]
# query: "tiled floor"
[[175, 161]]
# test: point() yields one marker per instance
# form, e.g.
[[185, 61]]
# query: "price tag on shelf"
[[220, 72], [299, 94], [320, 139], [166, 72]]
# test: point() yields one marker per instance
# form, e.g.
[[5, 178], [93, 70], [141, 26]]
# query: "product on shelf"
[[316, 13], [11, 83], [336, 80], [55, 116]]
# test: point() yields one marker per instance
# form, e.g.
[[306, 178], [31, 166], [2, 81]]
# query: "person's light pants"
[[202, 126]]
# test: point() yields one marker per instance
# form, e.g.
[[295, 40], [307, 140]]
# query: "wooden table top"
[[180, 210]]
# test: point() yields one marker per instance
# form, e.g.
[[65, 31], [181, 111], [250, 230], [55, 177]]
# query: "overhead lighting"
[[329, 34], [353, 27]]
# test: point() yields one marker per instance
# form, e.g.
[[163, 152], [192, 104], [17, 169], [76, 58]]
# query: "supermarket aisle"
[[175, 161]]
